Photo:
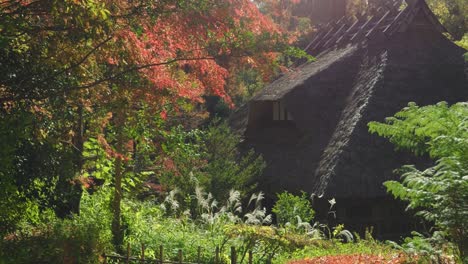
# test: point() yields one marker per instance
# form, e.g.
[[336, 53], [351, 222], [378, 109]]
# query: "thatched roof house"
[[311, 124]]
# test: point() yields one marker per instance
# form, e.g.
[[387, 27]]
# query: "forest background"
[[114, 107]]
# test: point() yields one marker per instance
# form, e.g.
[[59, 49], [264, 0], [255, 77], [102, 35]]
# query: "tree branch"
[[99, 81], [78, 63], [136, 68]]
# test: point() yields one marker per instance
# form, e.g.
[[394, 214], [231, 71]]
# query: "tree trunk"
[[79, 145], [117, 232], [463, 249], [69, 192]]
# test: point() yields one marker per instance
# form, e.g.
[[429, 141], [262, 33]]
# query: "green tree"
[[69, 64], [228, 168], [439, 193], [209, 158], [290, 207], [453, 14]]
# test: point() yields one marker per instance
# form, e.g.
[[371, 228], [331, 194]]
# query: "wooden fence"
[[180, 257]]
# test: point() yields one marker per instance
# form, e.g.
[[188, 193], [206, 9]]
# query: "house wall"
[[259, 114], [421, 66], [385, 217], [331, 111], [292, 149]]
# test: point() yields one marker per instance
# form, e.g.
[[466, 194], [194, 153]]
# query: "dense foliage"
[[438, 193], [80, 239], [87, 86], [292, 209], [209, 157], [85, 237]]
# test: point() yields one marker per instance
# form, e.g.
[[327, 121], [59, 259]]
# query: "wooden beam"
[[389, 29], [335, 36], [362, 29], [315, 40], [323, 39], [375, 28], [347, 32]]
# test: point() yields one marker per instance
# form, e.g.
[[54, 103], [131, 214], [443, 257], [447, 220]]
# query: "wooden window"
[[280, 113]]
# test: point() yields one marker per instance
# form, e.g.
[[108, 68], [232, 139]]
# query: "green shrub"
[[439, 193], [207, 158], [293, 209], [227, 167], [79, 239], [146, 224]]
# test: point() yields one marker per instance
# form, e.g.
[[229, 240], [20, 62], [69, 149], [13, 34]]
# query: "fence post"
[[128, 253], [161, 254], [217, 255], [142, 253], [233, 255], [250, 257], [180, 256]]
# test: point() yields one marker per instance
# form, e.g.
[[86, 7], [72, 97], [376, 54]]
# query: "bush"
[[146, 224], [439, 193], [227, 167], [293, 209], [207, 158], [80, 239]]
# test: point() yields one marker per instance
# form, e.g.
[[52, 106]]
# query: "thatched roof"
[[388, 20], [366, 70], [279, 88]]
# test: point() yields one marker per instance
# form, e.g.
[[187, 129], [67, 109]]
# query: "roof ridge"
[[407, 15], [387, 19]]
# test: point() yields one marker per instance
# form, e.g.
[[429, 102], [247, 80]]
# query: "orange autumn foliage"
[[109, 55], [183, 54]]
